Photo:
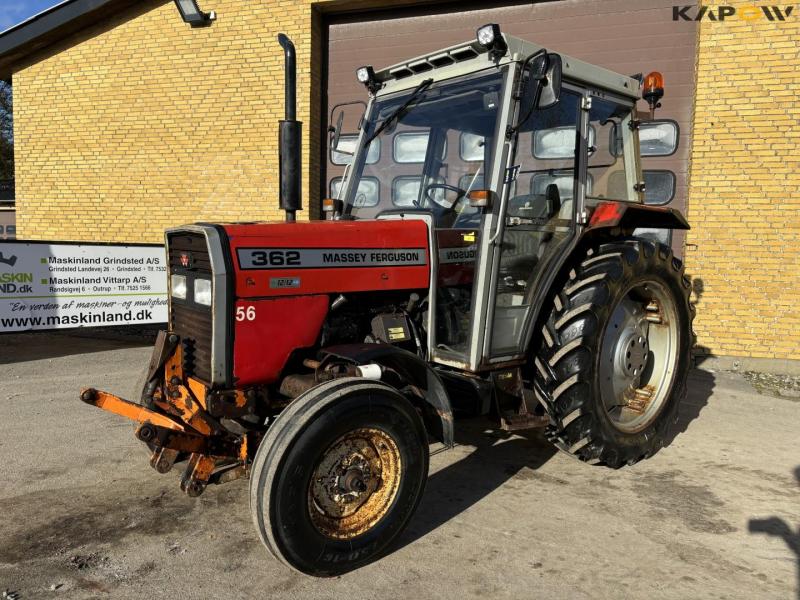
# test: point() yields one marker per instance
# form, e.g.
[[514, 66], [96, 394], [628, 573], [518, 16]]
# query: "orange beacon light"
[[653, 91]]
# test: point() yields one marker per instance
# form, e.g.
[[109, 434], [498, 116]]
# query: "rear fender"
[[414, 370], [628, 215], [607, 220]]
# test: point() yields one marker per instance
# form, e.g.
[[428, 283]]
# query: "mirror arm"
[[525, 63], [536, 96], [540, 80]]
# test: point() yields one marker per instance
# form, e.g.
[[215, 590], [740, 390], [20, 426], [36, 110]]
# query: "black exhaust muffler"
[[290, 138]]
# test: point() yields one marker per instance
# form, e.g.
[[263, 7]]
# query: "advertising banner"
[[58, 285], [8, 223]]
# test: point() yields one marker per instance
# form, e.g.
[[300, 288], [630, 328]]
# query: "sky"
[[16, 11]]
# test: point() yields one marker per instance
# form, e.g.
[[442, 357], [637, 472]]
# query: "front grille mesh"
[[193, 244], [192, 323]]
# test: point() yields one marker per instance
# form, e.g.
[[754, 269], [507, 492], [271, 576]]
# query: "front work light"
[[202, 291], [191, 13], [366, 75], [653, 91], [178, 286], [489, 37]]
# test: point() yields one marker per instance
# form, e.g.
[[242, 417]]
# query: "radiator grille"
[[188, 255]]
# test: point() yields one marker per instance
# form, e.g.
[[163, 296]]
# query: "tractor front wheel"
[[615, 353], [338, 476]]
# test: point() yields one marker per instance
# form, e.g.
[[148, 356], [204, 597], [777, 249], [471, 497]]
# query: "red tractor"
[[502, 276]]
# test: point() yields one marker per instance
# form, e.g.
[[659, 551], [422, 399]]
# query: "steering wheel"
[[444, 186]]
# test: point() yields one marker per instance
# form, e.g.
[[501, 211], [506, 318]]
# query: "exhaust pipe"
[[290, 138]]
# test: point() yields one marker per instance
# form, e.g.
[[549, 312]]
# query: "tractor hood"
[[325, 257]]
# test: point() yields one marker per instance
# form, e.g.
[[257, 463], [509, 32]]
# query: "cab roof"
[[469, 57]]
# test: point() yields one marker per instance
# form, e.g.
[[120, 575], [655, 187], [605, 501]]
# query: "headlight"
[[202, 291], [178, 286]]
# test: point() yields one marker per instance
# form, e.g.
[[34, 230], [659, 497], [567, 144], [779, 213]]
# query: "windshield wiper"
[[424, 85]]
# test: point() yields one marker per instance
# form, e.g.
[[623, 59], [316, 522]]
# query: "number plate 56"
[[246, 313]]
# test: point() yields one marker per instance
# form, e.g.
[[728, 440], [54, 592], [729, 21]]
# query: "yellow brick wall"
[[141, 122], [744, 191]]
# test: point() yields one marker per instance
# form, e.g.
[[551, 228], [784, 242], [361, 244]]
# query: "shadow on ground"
[[497, 457], [700, 386], [23, 347], [779, 528]]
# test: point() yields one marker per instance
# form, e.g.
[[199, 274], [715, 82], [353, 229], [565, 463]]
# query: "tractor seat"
[[536, 206], [522, 247]]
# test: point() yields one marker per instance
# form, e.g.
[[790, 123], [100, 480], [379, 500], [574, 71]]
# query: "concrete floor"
[[714, 515]]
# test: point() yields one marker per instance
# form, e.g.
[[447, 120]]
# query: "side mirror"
[[337, 133], [542, 87], [549, 71], [354, 119]]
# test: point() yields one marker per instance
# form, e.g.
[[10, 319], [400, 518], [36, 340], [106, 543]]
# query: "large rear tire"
[[615, 352], [338, 476]]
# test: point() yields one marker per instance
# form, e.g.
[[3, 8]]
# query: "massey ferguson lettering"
[[323, 258], [458, 255]]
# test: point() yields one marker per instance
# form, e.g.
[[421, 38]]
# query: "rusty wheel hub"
[[639, 354], [354, 483]]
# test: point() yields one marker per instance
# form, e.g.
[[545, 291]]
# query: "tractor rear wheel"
[[338, 476], [615, 353]]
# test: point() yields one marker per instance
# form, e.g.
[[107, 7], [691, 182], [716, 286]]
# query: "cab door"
[[540, 221], [458, 163]]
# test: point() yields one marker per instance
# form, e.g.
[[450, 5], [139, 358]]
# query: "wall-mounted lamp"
[[191, 13]]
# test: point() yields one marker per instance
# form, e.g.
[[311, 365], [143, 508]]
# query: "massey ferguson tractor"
[[481, 258]]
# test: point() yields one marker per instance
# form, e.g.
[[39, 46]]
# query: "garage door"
[[627, 36]]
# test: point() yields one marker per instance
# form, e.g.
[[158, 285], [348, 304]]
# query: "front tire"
[[338, 476], [615, 353]]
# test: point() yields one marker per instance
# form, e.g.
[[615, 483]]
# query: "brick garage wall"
[[744, 194], [142, 123]]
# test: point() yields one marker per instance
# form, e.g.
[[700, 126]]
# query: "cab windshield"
[[431, 154]]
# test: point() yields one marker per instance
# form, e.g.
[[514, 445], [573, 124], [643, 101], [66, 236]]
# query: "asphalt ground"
[[82, 515]]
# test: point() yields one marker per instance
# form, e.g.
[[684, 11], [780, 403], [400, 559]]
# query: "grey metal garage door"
[[628, 36]]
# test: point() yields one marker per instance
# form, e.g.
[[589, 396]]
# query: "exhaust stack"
[[290, 138]]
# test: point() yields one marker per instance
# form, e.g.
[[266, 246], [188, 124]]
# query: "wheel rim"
[[354, 483], [638, 357]]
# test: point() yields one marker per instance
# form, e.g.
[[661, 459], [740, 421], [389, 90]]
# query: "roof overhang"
[[51, 25]]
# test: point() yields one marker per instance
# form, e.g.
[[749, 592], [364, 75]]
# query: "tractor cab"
[[505, 149]]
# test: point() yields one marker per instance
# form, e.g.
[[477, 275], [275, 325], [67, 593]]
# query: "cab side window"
[[611, 164], [546, 157]]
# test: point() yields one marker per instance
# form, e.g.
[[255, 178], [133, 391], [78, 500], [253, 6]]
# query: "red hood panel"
[[319, 257]]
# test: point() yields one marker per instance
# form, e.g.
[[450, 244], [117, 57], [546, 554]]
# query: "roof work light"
[[366, 75], [489, 37], [191, 13]]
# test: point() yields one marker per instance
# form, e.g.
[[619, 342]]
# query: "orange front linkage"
[[177, 424]]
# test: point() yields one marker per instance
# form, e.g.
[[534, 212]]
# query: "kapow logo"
[[722, 13]]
